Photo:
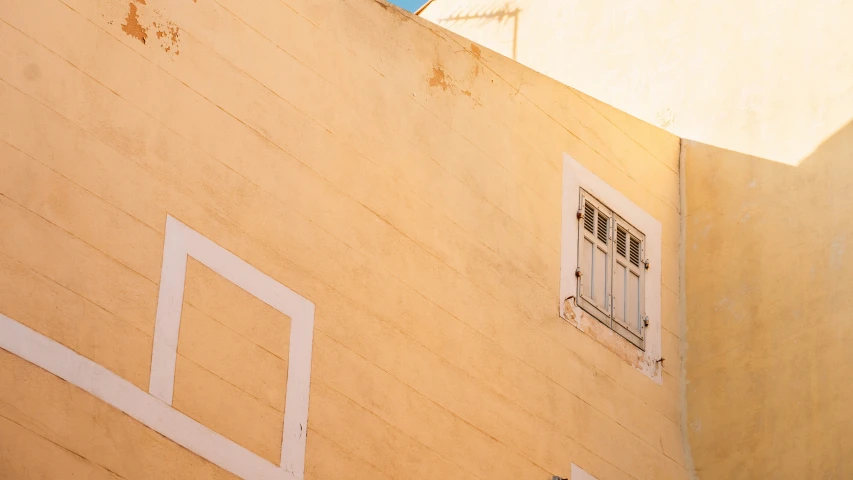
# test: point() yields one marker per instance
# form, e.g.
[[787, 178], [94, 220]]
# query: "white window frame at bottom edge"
[[575, 178]]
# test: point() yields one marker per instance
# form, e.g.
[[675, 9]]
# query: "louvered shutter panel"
[[594, 258], [628, 282]]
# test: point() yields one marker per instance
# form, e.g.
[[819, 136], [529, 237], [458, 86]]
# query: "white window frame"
[[575, 178]]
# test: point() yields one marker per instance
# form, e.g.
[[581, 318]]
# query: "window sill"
[[611, 340]]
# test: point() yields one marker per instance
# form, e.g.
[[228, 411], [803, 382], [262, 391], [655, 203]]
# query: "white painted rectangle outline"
[[579, 474], [153, 408], [575, 177]]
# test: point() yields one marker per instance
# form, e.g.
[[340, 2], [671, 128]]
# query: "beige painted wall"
[[769, 272], [770, 79], [405, 181]]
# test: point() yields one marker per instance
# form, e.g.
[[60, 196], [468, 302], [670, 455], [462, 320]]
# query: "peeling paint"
[[439, 79], [169, 36], [132, 26]]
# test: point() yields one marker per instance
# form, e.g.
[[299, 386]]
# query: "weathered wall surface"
[[770, 80], [405, 181], [768, 313]]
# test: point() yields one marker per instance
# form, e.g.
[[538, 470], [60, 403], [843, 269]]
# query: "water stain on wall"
[[439, 79], [475, 50]]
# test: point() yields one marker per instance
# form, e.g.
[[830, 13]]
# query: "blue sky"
[[410, 5]]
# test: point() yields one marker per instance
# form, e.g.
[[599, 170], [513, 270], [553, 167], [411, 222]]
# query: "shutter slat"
[[621, 240], [635, 251], [589, 217], [602, 228]]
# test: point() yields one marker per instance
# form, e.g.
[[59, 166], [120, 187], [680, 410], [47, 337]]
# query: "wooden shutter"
[[628, 282], [594, 262]]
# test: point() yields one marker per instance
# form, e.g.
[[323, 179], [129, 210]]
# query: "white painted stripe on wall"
[[123, 395], [154, 409], [579, 474], [168, 320]]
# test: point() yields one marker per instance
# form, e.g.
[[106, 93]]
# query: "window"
[[611, 269], [616, 301]]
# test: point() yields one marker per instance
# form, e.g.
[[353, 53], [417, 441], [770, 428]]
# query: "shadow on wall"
[[769, 312], [500, 15]]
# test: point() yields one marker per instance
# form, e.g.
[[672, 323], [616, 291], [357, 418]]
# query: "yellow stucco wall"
[[768, 313], [404, 180], [773, 80]]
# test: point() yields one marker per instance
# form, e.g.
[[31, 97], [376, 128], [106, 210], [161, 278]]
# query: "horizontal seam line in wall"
[[637, 142], [400, 431], [670, 332], [352, 454], [261, 402], [264, 402], [116, 315], [477, 428], [85, 299], [244, 337], [72, 452]]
